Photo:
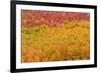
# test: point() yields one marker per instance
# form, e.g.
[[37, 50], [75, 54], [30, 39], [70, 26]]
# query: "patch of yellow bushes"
[[70, 41]]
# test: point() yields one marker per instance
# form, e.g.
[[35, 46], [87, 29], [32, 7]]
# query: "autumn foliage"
[[55, 36]]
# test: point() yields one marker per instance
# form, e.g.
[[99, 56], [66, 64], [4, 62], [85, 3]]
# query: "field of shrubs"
[[54, 36]]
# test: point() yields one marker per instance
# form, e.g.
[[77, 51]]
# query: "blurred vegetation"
[[70, 41]]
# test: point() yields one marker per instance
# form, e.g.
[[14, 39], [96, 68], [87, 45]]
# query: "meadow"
[[51, 36]]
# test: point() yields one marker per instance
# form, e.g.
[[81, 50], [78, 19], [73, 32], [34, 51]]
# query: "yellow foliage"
[[71, 41]]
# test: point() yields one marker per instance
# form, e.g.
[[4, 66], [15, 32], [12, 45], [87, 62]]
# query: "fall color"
[[54, 36]]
